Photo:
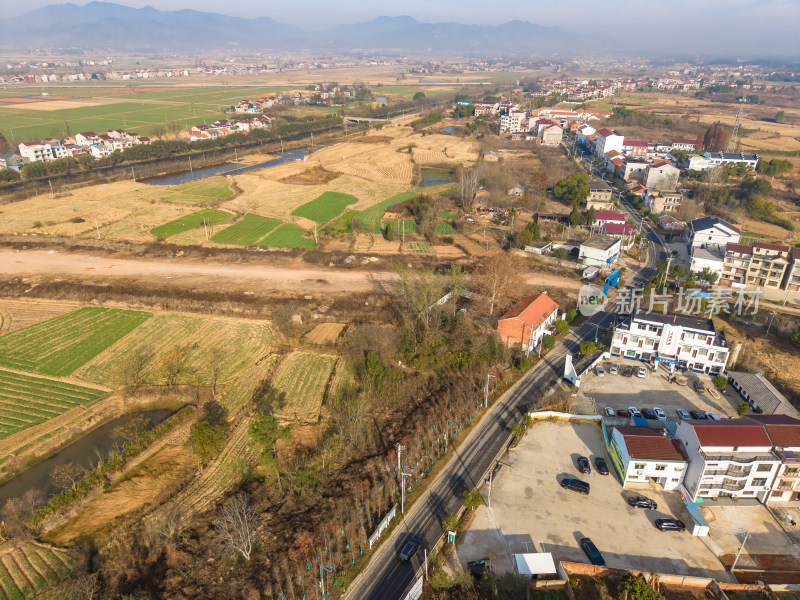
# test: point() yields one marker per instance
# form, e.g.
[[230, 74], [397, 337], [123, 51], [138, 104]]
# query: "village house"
[[599, 197], [600, 250], [784, 431], [527, 322], [649, 457], [661, 175], [662, 202], [608, 140], [552, 135], [791, 283], [712, 232], [634, 148], [603, 218]]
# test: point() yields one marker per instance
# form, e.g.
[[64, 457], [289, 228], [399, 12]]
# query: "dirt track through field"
[[284, 280]]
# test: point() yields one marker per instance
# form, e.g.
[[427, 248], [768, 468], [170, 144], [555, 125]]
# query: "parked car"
[[628, 372], [670, 525], [712, 416], [683, 414], [409, 549], [642, 372], [648, 414], [634, 412], [576, 485], [601, 372], [660, 414], [600, 465], [699, 387], [700, 416], [610, 412], [584, 466], [613, 369], [642, 502], [592, 553], [623, 413]]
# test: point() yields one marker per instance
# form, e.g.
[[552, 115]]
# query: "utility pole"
[[133, 174], [191, 170], [315, 234], [666, 273], [235, 155], [403, 476], [772, 313], [52, 193], [281, 146], [312, 139], [205, 228], [486, 391], [447, 433], [97, 229], [400, 449], [735, 560], [403, 227], [426, 563]]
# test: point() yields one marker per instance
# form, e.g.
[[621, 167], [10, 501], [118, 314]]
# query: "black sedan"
[[670, 525], [642, 502], [649, 414], [600, 465], [696, 414], [409, 549], [592, 553], [583, 465]]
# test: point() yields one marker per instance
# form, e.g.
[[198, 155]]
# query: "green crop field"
[[59, 346], [200, 191], [369, 220], [209, 216], [303, 377], [287, 236], [122, 107], [402, 225], [328, 206], [445, 228], [341, 225], [247, 231], [445, 214], [419, 247], [188, 349], [26, 569], [26, 400]]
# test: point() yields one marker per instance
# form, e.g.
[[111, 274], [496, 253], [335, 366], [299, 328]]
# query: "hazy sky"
[[667, 23]]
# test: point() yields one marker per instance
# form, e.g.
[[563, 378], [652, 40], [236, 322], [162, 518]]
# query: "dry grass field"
[[303, 377], [325, 334], [16, 314]]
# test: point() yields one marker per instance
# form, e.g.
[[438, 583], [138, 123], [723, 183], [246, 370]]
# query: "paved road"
[[386, 577]]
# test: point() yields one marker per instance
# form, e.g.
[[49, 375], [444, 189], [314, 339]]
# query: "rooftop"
[[687, 321], [738, 434], [738, 248], [710, 222], [762, 393], [609, 216], [601, 242], [532, 310], [648, 444], [705, 254]]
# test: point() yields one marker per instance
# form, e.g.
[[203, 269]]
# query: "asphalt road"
[[385, 577]]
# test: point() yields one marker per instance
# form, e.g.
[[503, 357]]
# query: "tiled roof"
[[740, 248], [609, 216], [647, 444], [532, 310], [619, 228], [776, 247], [738, 433], [783, 429]]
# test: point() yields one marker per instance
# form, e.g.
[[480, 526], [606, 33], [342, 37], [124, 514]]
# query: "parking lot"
[[531, 512], [620, 392]]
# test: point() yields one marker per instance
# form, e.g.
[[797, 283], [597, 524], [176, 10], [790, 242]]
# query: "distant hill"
[[117, 27]]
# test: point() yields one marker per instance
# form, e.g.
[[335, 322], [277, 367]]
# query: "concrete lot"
[[618, 391], [530, 510]]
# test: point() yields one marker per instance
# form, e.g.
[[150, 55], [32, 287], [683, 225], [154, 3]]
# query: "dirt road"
[[302, 279]]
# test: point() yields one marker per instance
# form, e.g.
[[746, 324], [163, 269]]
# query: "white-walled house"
[[713, 232], [600, 250], [608, 140], [703, 258], [784, 431], [728, 459], [676, 340], [647, 456]]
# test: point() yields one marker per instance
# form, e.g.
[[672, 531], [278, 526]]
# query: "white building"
[[36, 151], [608, 140], [728, 459], [710, 259], [513, 121], [784, 431], [712, 232], [649, 457], [681, 341], [600, 251], [604, 218], [709, 160], [662, 176]]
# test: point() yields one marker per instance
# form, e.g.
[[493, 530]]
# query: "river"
[[225, 169], [84, 452]]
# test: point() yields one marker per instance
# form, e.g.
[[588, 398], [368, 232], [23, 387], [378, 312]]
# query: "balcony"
[[738, 473], [742, 457]]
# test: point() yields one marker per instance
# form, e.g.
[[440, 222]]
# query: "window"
[[764, 468], [759, 482], [792, 472], [661, 467], [639, 466], [777, 493]]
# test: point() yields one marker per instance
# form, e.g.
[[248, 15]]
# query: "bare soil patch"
[[315, 176], [325, 334]]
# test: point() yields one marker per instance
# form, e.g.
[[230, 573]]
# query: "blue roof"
[[696, 514], [640, 422]]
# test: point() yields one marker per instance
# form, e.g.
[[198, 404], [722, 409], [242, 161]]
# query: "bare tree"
[[87, 587], [175, 363], [132, 368], [235, 525], [497, 278], [67, 475], [468, 187], [16, 513], [419, 291]]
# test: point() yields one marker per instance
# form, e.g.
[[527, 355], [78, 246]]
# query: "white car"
[[660, 414], [614, 369], [601, 372], [642, 372], [712, 417], [610, 412], [634, 412]]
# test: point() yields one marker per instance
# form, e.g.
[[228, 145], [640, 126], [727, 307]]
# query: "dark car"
[[670, 525], [409, 549], [623, 413], [699, 386], [642, 502], [698, 415], [629, 371], [584, 466], [576, 485], [600, 465], [649, 414], [592, 553]]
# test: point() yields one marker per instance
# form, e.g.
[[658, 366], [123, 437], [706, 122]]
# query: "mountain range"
[[117, 27]]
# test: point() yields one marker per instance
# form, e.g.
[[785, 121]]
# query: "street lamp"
[[403, 476], [486, 391]]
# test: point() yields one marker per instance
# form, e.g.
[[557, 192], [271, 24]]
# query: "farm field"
[[325, 333], [187, 348], [247, 231], [303, 377], [445, 228], [199, 192], [325, 208], [26, 401], [27, 569], [287, 236], [369, 220], [240, 389], [418, 247], [208, 216], [60, 345], [16, 314], [340, 225]]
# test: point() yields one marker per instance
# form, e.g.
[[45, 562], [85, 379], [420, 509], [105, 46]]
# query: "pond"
[[226, 169], [435, 176], [84, 452]]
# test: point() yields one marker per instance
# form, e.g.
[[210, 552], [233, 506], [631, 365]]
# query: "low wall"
[[552, 414]]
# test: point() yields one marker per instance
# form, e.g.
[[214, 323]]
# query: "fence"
[[382, 526]]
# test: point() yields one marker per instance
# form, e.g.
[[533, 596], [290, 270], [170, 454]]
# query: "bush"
[[77, 220], [37, 224], [521, 364], [720, 381], [571, 315], [548, 342], [743, 408], [206, 440], [588, 347], [562, 327]]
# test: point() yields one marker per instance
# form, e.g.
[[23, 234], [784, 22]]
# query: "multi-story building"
[[736, 261], [784, 431], [513, 121], [709, 160], [36, 151], [661, 176], [599, 196], [675, 340], [552, 135], [728, 459], [707, 259], [712, 232], [608, 140], [634, 169], [600, 250], [768, 265], [647, 456], [662, 202], [791, 281]]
